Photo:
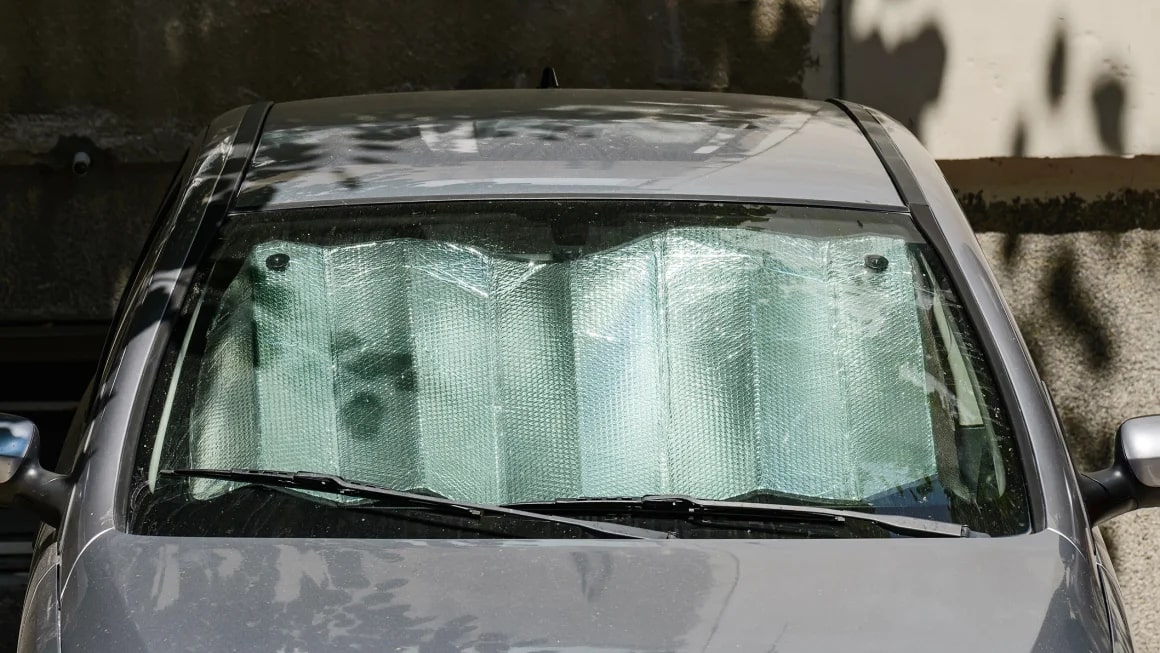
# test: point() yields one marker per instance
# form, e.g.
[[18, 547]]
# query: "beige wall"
[[987, 78]]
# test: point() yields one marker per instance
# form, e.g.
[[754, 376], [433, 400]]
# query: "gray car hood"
[[1029, 593]]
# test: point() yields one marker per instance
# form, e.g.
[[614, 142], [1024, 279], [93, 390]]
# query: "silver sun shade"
[[703, 361]]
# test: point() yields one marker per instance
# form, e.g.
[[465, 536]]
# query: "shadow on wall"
[[758, 47], [1107, 95], [1108, 100], [908, 76], [1075, 308]]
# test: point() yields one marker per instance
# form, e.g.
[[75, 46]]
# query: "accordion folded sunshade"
[[705, 361]]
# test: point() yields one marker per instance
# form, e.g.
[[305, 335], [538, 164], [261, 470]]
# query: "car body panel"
[[380, 148], [1117, 614], [209, 594], [40, 619]]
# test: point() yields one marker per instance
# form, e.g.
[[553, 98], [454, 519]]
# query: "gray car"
[[552, 370]]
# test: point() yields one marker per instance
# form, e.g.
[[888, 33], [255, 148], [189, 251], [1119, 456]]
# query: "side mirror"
[[22, 480], [1133, 480]]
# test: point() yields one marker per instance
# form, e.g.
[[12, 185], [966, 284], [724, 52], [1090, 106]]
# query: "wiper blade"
[[332, 484], [680, 505]]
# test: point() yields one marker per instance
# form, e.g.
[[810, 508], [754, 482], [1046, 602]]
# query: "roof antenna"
[[548, 78]]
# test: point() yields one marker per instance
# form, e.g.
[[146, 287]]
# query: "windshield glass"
[[514, 352]]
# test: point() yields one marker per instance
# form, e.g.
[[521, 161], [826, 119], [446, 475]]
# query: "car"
[[556, 369]]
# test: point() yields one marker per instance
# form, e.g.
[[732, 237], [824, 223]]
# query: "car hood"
[[132, 594]]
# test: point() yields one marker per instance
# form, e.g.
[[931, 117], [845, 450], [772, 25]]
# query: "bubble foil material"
[[712, 362]]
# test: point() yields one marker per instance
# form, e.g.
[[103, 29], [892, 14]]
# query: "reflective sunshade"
[[710, 362], [499, 360]]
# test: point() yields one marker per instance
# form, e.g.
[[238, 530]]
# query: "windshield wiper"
[[331, 484], [686, 506]]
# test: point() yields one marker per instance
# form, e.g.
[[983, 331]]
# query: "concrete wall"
[[991, 78], [1030, 106]]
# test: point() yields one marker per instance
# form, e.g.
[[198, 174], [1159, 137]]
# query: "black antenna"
[[548, 78]]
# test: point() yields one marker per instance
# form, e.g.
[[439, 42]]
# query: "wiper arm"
[[681, 505], [332, 484]]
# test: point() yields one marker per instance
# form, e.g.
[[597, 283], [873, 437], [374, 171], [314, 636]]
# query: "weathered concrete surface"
[[185, 60], [68, 243], [1052, 78]]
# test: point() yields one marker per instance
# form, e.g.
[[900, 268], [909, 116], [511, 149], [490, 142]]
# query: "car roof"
[[562, 143]]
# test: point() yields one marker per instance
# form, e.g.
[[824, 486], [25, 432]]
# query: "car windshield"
[[533, 351]]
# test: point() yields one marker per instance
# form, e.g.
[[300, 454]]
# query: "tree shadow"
[[1019, 140], [1078, 311], [907, 78], [1108, 98], [704, 53], [1057, 68], [1011, 247]]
